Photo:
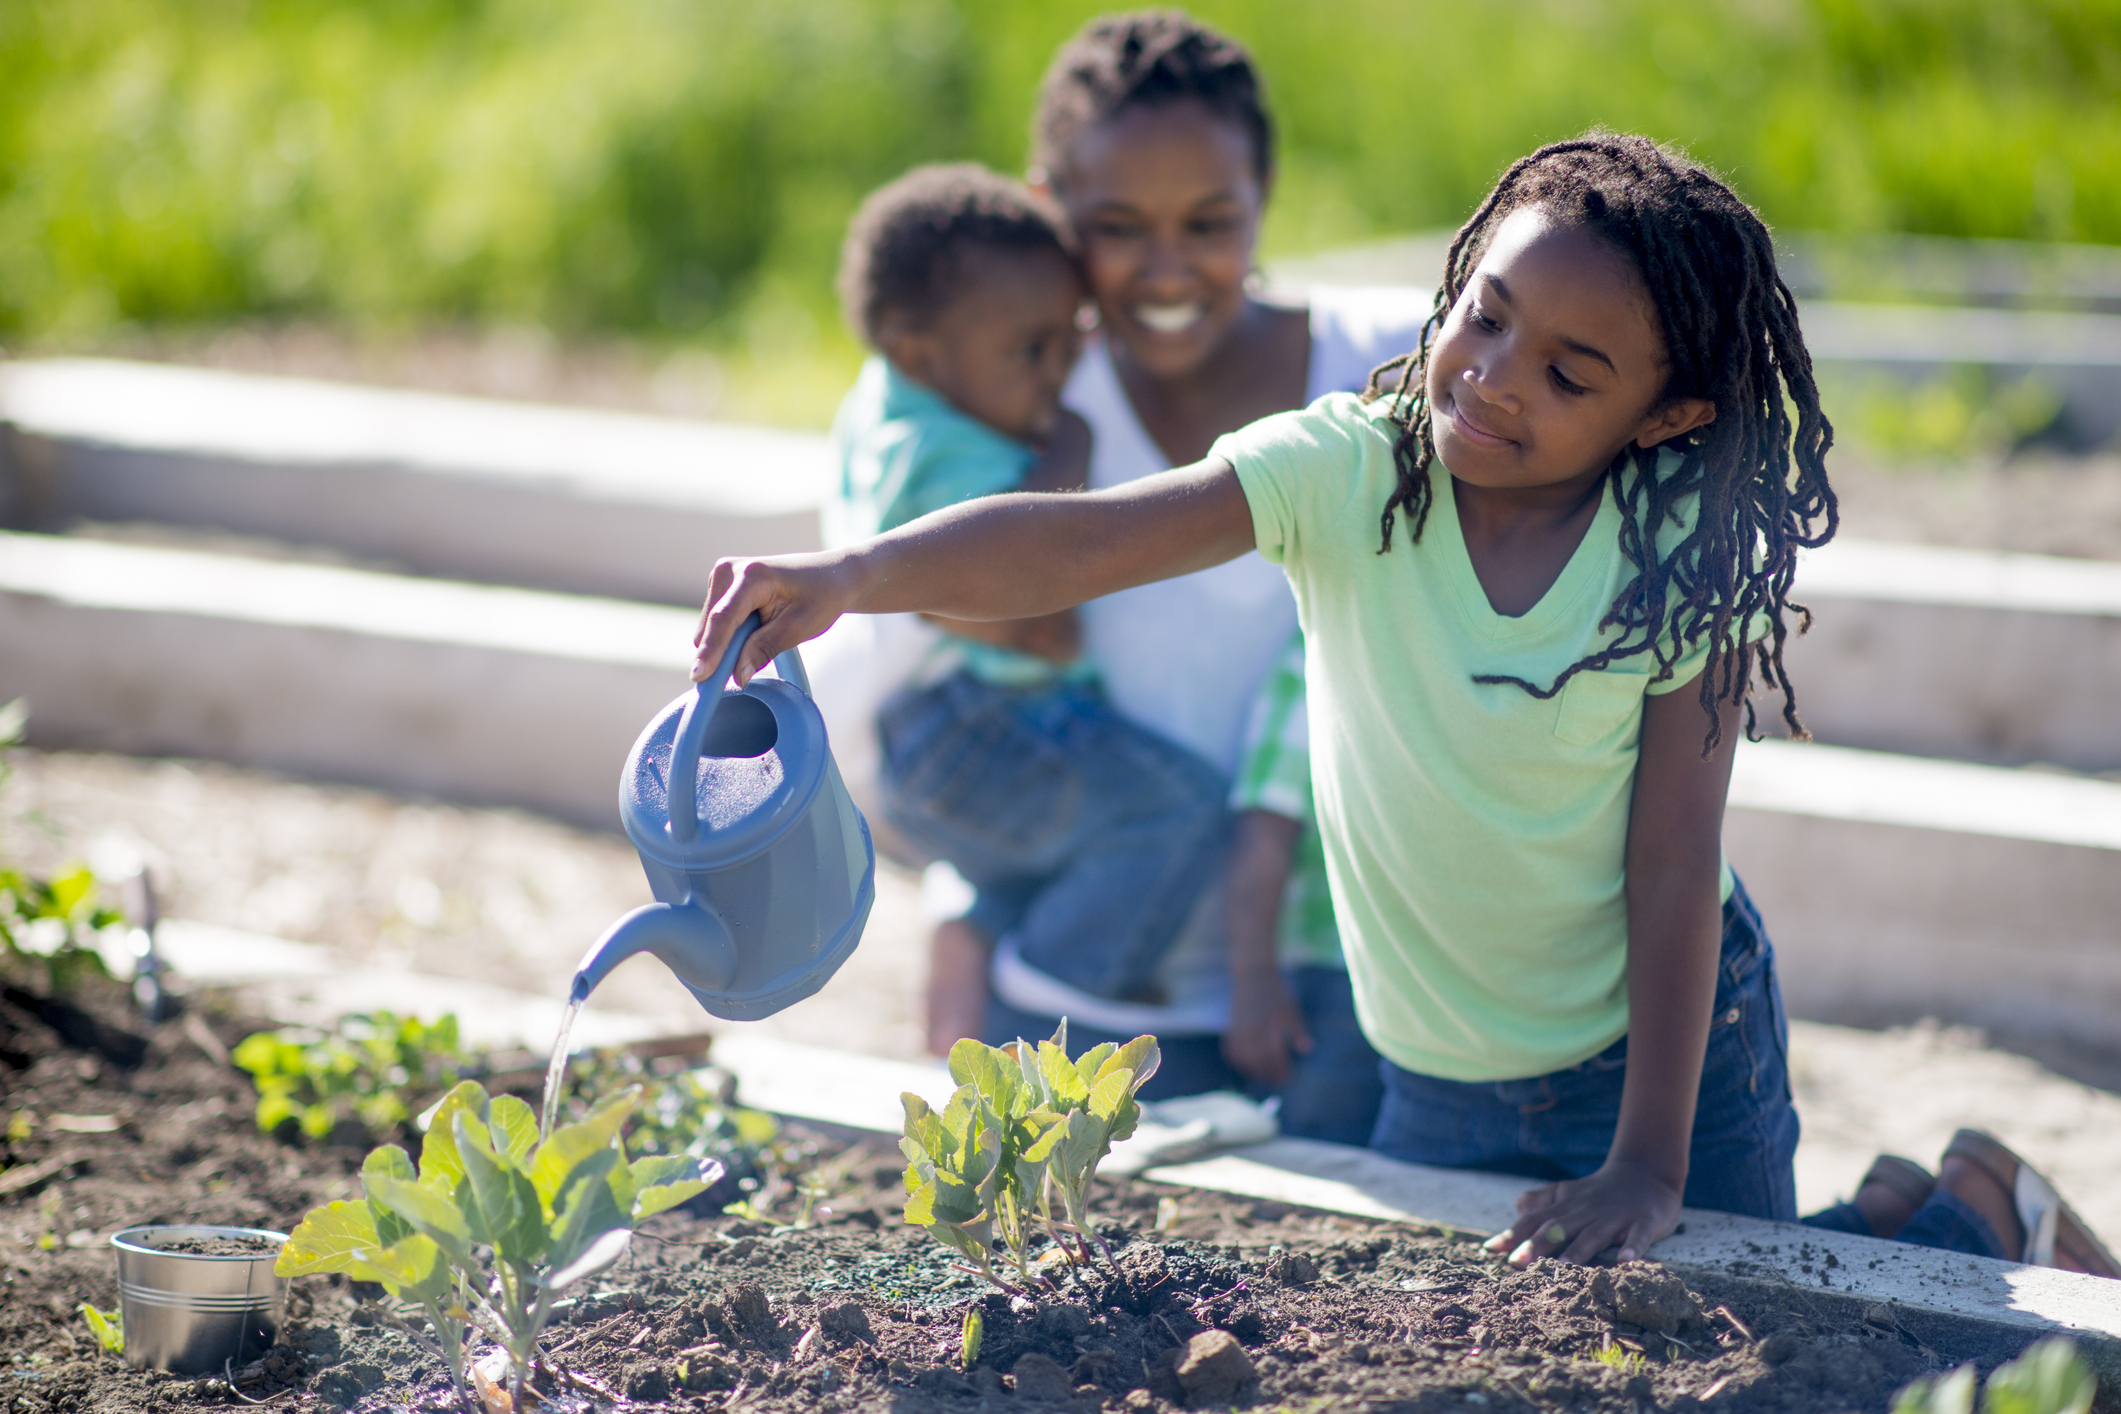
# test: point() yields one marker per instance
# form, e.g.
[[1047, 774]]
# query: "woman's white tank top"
[[1185, 656]]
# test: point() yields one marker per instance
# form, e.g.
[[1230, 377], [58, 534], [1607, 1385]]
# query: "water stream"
[[556, 1072]]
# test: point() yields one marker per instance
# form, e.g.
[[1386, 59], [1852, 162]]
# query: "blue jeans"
[[1086, 836], [1332, 1093], [1943, 1222], [1561, 1125]]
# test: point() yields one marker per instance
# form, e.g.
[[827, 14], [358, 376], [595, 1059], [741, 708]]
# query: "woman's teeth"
[[1170, 318]]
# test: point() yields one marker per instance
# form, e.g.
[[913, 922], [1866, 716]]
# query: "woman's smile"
[[1169, 318]]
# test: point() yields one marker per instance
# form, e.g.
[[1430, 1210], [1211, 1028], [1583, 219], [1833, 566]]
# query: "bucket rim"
[[126, 1240]]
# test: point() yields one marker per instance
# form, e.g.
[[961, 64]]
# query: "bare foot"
[[957, 984], [1982, 1191]]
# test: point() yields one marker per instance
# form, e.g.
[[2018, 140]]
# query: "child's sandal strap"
[[2050, 1224], [1904, 1176]]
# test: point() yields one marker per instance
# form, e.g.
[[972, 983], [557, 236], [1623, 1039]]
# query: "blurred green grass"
[[672, 170]]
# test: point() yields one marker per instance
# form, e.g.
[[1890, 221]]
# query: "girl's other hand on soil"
[[1266, 1028], [1622, 1204]]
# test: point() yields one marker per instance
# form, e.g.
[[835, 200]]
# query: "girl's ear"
[[1675, 419]]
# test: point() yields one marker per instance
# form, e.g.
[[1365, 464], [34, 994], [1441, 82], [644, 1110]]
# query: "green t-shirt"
[[905, 451], [1475, 835]]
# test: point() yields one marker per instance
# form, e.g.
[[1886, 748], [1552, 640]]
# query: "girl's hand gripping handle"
[[796, 597]]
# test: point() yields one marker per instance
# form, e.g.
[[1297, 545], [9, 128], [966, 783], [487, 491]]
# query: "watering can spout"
[[690, 940]]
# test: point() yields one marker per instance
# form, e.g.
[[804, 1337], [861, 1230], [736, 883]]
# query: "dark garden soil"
[[1216, 1301]]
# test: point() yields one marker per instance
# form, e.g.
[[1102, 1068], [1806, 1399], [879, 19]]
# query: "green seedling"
[[1614, 1355], [1026, 1125], [48, 924], [108, 1327], [371, 1069], [2050, 1378], [975, 1331], [492, 1226]]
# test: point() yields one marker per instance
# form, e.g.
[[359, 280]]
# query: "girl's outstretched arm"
[[1675, 933], [999, 557]]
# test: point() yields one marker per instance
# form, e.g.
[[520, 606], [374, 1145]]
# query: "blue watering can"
[[763, 869]]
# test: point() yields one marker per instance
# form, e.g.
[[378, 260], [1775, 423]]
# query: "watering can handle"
[[699, 714]]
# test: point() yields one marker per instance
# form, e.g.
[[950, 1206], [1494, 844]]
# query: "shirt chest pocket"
[[1600, 708]]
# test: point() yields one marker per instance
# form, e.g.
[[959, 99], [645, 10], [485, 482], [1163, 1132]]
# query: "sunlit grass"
[[682, 172]]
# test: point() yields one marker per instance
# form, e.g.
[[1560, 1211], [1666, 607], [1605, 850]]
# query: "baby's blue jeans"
[[1560, 1125], [1084, 835]]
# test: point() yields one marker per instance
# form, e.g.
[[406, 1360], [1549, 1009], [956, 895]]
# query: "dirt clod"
[[846, 1321], [1292, 1269], [1213, 1368], [1041, 1379], [1644, 1294]]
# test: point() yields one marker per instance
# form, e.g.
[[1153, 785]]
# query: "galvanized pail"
[[193, 1314]]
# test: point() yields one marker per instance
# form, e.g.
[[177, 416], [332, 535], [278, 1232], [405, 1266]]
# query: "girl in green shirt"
[[1537, 570]]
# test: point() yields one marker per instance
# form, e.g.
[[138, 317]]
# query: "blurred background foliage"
[[680, 170]]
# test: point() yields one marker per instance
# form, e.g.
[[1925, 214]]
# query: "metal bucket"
[[192, 1314]]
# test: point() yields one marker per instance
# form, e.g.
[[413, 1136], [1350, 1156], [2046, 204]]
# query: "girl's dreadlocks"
[[1730, 336]]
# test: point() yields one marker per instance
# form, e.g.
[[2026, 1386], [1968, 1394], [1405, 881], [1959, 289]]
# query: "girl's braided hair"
[[1730, 336], [1142, 59]]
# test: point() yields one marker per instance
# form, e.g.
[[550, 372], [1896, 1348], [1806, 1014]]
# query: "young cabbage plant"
[[953, 1169], [1085, 1106], [1024, 1125], [492, 1226]]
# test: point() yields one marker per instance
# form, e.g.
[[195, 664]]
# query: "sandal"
[[1905, 1177], [2051, 1226]]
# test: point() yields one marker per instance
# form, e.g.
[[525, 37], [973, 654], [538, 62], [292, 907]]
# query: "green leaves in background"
[[48, 924], [675, 169], [370, 1070]]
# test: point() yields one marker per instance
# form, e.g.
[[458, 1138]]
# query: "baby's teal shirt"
[[905, 451]]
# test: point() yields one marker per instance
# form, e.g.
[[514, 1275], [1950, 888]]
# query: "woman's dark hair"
[[1144, 59], [904, 244], [1730, 336]]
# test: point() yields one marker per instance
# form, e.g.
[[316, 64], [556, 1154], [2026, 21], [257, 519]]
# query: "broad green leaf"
[[440, 1169], [391, 1162], [497, 1198], [920, 1206], [589, 1209], [599, 1255], [428, 1211], [412, 1269], [1051, 1129], [1064, 1086], [1088, 1063], [553, 1166], [1139, 1055], [1112, 1089], [515, 1129], [328, 1239], [974, 1063], [663, 1182]]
